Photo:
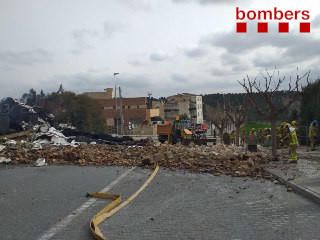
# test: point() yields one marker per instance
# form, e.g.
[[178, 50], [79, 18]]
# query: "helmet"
[[314, 123]]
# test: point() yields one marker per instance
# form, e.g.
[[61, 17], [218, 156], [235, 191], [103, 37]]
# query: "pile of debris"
[[218, 159], [16, 116], [85, 137]]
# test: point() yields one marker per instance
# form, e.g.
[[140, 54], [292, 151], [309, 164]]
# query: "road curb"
[[301, 190]]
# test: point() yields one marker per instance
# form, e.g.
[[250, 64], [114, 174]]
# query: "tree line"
[[67, 107], [219, 100], [310, 103]]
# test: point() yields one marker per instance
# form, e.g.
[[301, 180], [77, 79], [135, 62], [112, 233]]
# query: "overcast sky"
[[157, 46]]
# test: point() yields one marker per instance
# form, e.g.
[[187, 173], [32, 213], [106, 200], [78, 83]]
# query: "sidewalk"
[[303, 177]]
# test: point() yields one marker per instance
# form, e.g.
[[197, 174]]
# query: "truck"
[[181, 131]]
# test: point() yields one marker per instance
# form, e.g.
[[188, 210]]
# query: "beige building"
[[107, 94], [183, 104], [134, 110]]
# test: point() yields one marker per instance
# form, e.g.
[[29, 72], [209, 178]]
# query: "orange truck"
[[164, 132], [175, 132]]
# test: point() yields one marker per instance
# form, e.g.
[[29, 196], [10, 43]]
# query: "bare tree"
[[218, 117], [237, 115], [268, 88]]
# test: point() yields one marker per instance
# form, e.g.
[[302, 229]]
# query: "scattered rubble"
[[47, 145], [217, 159], [2, 147], [5, 160], [89, 138], [11, 142], [50, 136], [16, 116], [40, 162]]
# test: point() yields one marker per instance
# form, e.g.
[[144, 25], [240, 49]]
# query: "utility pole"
[[149, 100], [224, 111], [121, 113], [116, 102]]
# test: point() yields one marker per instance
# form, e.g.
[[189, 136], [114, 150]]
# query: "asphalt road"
[[176, 205]]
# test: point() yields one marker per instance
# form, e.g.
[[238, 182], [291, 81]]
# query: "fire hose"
[[114, 206]]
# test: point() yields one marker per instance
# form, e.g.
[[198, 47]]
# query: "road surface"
[[50, 203]]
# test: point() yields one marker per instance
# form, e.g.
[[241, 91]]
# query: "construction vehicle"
[[182, 131], [164, 132]]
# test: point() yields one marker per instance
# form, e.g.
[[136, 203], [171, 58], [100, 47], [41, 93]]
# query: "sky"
[[161, 47]]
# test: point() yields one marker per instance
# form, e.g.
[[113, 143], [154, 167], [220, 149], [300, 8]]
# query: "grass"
[[256, 125]]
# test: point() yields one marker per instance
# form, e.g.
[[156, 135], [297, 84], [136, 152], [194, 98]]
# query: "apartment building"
[[184, 104]]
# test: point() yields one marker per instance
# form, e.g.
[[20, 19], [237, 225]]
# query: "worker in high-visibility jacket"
[[293, 145], [313, 133]]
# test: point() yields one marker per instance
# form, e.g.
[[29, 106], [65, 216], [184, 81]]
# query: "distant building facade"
[[186, 104], [107, 94], [138, 111], [134, 110]]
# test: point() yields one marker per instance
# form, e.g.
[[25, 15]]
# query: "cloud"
[[240, 68], [37, 56], [195, 52], [86, 38], [158, 57], [98, 69], [269, 49], [205, 2], [92, 81], [227, 71], [216, 71], [83, 39], [315, 23], [144, 5], [76, 51], [179, 78], [230, 59], [6, 68], [136, 63], [110, 28]]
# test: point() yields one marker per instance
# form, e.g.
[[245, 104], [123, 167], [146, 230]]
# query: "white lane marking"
[[59, 226]]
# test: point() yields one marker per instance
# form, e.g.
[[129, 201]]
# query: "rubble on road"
[[50, 135], [94, 138], [2, 147], [5, 160], [16, 116], [217, 159], [40, 162], [11, 142]]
